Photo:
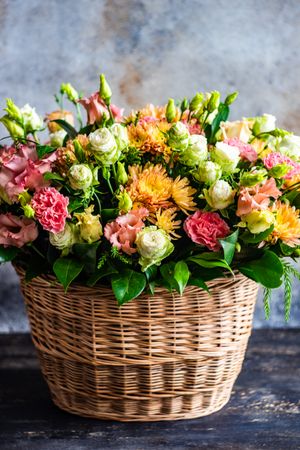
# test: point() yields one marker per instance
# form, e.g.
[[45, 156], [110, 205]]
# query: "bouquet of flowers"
[[169, 196]]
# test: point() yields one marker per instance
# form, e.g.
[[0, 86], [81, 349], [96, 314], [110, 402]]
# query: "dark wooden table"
[[263, 413]]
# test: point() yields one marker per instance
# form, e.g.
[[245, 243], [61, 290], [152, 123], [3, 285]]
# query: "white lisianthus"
[[32, 121], [289, 145], [239, 129], [104, 147], [65, 239], [153, 245], [259, 221], [227, 156], [208, 172], [195, 152], [80, 176], [264, 124], [57, 138], [120, 135], [178, 136], [219, 195]]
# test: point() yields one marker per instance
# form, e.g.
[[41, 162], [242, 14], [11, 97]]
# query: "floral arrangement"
[[169, 196]]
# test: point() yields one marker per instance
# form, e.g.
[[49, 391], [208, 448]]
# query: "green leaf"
[[87, 129], [196, 281], [209, 263], [222, 116], [109, 214], [74, 203], [181, 275], [8, 253], [127, 285], [71, 132], [87, 253], [43, 150], [151, 273], [53, 176], [105, 271], [267, 293], [267, 270], [167, 273], [250, 238], [228, 245], [67, 270]]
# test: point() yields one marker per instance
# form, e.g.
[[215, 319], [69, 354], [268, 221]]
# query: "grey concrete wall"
[[150, 50]]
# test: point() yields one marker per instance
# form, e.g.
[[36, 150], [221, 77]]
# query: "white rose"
[[208, 172], [80, 176], [32, 121], [178, 136], [227, 156], [57, 138], [153, 245], [104, 146], [195, 152], [219, 195], [64, 239], [289, 145], [120, 135], [264, 124]]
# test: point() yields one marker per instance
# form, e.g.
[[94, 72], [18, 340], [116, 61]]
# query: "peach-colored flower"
[[16, 231], [122, 232], [257, 197], [96, 108]]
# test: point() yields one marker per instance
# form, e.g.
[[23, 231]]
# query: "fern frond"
[[287, 290], [266, 299]]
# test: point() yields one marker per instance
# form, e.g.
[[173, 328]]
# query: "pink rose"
[[122, 232], [275, 158], [257, 197], [16, 231], [247, 152], [205, 228], [51, 209], [95, 108], [21, 169]]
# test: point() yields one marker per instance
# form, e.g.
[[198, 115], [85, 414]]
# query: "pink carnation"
[[21, 169], [257, 197], [205, 228], [247, 152], [16, 231], [122, 232], [95, 108], [275, 158], [50, 209]]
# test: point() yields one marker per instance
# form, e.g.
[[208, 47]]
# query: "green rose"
[[120, 134], [195, 152], [208, 172], [219, 195], [153, 245], [178, 136], [104, 147]]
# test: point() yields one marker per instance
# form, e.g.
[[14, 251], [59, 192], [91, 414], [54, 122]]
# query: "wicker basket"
[[160, 357]]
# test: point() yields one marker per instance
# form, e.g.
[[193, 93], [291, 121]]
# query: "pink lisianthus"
[[275, 158], [247, 152], [16, 231], [257, 197], [96, 108], [51, 209], [122, 232], [205, 228], [21, 169]]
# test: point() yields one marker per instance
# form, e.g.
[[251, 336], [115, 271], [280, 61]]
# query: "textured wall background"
[[150, 50]]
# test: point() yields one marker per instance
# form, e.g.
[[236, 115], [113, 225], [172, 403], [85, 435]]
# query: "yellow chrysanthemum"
[[165, 220], [149, 187], [295, 182], [287, 224], [182, 194], [150, 137]]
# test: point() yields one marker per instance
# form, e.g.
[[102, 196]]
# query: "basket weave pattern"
[[156, 358]]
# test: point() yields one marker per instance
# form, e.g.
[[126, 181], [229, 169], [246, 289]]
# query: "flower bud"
[[80, 177], [227, 156], [105, 91], [208, 172], [65, 239], [120, 134], [219, 195], [259, 221], [122, 176], [70, 91], [196, 151], [31, 120], [24, 198], [178, 136], [184, 104], [57, 138], [171, 110], [264, 124], [104, 147], [196, 102], [249, 179], [125, 202], [231, 98], [214, 101], [28, 211], [15, 130], [13, 111], [153, 245], [89, 225]]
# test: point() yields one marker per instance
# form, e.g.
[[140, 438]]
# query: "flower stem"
[[79, 116], [37, 251]]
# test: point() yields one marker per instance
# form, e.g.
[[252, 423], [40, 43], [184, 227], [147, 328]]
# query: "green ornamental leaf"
[[181, 275], [209, 263], [222, 116], [267, 270], [87, 253], [8, 253], [167, 273], [127, 285], [228, 245], [66, 270], [71, 132], [43, 150], [196, 281], [105, 271]]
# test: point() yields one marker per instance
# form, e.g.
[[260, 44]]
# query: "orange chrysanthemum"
[[150, 137], [287, 224], [165, 220], [182, 194]]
